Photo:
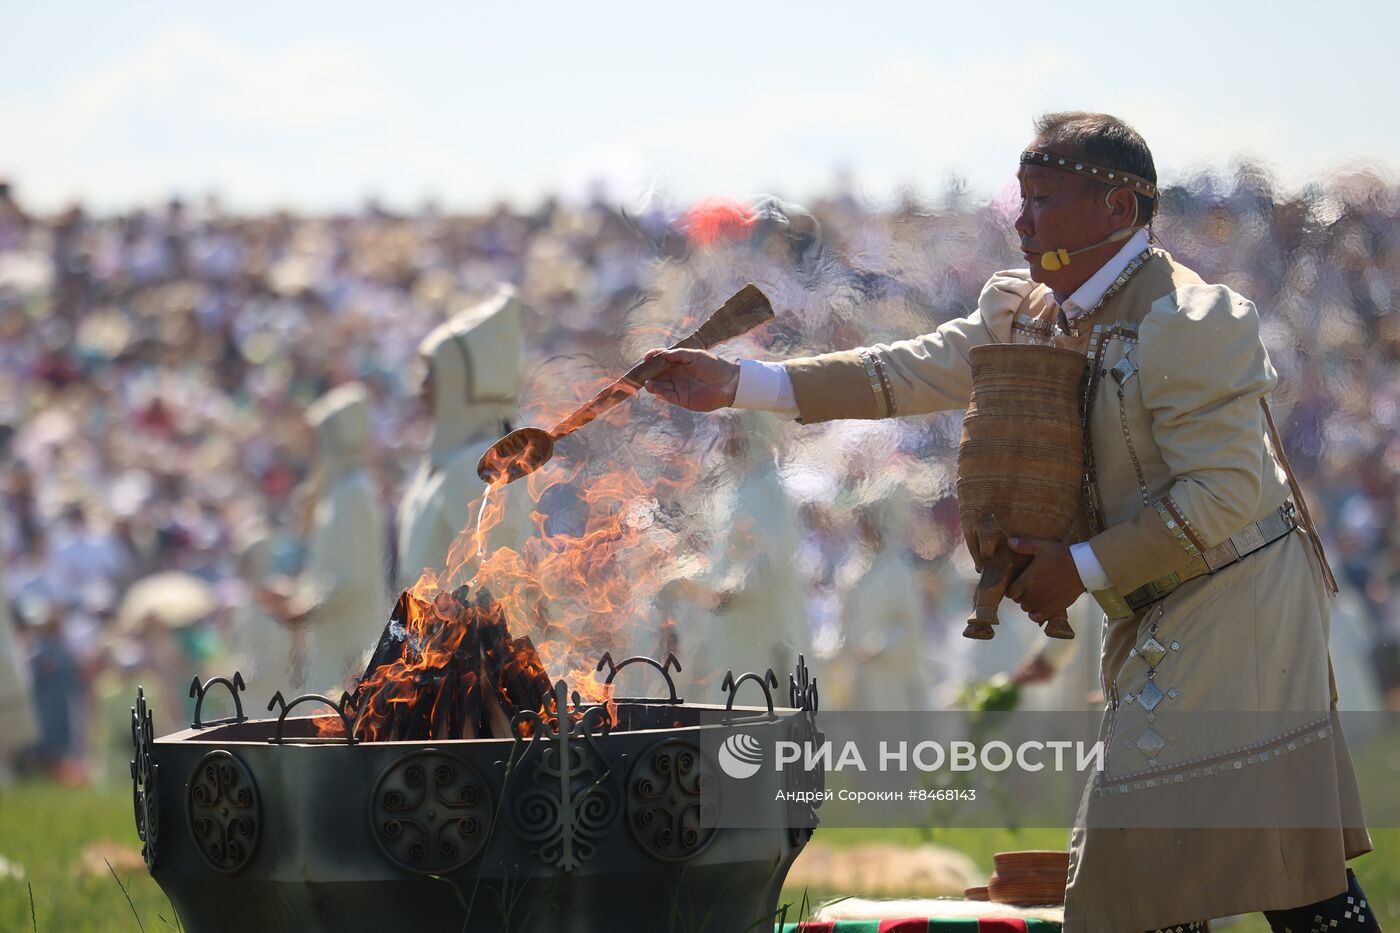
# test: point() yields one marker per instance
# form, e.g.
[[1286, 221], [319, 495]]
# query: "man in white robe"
[[340, 597], [759, 620], [470, 388], [16, 701], [882, 614], [271, 652]]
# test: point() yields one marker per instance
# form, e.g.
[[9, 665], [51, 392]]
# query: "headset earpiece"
[[1056, 259]]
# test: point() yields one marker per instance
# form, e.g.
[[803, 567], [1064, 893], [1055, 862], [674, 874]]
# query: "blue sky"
[[316, 105]]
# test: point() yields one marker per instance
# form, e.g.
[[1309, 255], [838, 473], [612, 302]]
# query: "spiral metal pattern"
[[225, 814], [562, 793]]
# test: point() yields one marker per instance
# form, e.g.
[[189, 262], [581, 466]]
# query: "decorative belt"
[[1230, 551]]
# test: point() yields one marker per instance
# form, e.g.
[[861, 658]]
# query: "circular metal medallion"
[[673, 801], [430, 812], [225, 812]]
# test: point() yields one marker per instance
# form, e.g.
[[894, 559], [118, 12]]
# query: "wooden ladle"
[[523, 451]]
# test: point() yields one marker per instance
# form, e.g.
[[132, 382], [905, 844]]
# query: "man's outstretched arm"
[[908, 377]]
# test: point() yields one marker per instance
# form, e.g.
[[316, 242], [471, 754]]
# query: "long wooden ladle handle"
[[745, 310]]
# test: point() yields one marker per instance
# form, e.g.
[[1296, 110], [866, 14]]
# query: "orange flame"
[[571, 596]]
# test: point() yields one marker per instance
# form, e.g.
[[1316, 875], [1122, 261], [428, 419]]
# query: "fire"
[[459, 660], [593, 690]]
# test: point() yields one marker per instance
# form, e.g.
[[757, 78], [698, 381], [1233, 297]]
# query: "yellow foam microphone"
[[1056, 259]]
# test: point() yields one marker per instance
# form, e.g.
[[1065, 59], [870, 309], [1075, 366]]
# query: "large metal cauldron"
[[254, 825]]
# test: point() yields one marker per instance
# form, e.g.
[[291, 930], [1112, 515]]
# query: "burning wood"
[[447, 669]]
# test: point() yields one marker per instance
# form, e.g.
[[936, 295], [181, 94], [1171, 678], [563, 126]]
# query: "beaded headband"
[[1109, 176]]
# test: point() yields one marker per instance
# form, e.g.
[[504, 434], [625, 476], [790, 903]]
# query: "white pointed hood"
[[474, 362], [341, 422]]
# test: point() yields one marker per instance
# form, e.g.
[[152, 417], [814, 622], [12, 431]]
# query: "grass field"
[[46, 829]]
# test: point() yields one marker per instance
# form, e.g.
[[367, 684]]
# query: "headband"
[[1109, 176]]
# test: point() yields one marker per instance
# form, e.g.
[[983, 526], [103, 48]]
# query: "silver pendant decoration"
[[1152, 652]]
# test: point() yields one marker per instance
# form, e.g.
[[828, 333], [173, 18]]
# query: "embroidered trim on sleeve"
[[879, 384], [1185, 523], [1040, 333], [1165, 511]]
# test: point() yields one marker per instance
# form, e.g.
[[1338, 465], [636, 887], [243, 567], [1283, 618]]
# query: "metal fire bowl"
[[244, 834]]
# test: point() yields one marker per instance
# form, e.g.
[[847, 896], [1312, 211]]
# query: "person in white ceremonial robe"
[[684, 603], [340, 597], [471, 389], [758, 620], [1062, 674], [882, 613], [271, 653], [16, 701]]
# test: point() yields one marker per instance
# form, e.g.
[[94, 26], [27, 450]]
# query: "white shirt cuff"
[[1091, 572], [765, 386]]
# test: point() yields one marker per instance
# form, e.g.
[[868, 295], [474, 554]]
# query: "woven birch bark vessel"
[[1020, 465]]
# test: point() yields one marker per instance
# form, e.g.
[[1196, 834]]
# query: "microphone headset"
[[1056, 259]]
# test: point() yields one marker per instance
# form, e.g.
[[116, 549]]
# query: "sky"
[[317, 106]]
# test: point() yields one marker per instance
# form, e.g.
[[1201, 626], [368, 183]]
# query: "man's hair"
[[1101, 139]]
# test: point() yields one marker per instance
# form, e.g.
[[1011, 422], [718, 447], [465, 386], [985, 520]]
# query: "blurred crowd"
[[156, 368]]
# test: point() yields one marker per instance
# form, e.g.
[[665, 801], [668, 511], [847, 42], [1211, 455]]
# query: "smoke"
[[682, 503], [842, 275]]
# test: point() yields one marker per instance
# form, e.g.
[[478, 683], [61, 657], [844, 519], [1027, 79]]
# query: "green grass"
[[45, 828]]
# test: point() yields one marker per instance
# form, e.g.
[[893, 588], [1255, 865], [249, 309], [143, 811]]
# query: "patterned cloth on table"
[[925, 925]]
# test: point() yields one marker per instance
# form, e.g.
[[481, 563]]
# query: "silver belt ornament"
[[1230, 551]]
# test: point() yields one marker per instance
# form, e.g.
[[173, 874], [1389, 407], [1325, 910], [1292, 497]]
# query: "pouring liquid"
[[480, 516]]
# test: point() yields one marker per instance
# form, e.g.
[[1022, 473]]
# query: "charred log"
[[448, 669]]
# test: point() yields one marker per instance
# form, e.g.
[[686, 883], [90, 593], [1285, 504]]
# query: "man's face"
[[1058, 211]]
